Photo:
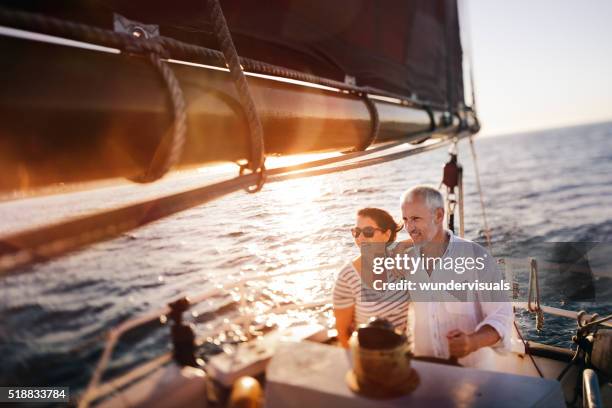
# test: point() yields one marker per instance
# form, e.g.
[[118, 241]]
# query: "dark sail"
[[411, 48]]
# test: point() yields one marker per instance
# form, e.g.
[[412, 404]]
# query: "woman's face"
[[369, 224]]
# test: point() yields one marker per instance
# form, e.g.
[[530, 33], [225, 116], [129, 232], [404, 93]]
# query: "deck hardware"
[[183, 336]]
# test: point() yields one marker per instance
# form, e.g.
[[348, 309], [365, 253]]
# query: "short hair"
[[429, 194]]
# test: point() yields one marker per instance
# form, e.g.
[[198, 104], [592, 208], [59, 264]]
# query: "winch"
[[381, 362], [601, 354]]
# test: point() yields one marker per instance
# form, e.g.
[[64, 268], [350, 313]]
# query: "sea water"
[[546, 186]]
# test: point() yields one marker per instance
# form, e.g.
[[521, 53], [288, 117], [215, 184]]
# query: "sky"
[[539, 63]]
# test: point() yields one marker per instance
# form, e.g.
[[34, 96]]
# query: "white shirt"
[[432, 319]]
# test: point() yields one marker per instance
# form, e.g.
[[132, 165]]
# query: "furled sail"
[[410, 48], [73, 114]]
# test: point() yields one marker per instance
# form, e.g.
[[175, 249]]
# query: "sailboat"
[[136, 90]]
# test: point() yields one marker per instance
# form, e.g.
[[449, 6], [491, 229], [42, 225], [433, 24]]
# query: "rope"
[[224, 37], [81, 32], [374, 123], [461, 204], [518, 330], [539, 314], [527, 349], [593, 321], [487, 232], [534, 295], [167, 156], [520, 334], [582, 356], [261, 173], [51, 241]]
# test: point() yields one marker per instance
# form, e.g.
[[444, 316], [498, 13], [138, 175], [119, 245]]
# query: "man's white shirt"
[[431, 318]]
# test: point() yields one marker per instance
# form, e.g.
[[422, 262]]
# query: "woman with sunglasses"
[[373, 226]]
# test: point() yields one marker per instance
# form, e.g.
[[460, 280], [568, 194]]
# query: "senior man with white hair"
[[468, 329]]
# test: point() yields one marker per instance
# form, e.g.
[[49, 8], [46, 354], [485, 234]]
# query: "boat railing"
[[96, 388], [591, 394]]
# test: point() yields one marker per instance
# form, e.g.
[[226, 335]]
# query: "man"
[[465, 330]]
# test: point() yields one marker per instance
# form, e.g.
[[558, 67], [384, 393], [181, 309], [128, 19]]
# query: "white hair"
[[430, 195]]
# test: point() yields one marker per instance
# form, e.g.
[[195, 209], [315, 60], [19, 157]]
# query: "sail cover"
[[410, 48]]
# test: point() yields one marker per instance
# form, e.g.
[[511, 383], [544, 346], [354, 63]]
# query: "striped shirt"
[[349, 291]]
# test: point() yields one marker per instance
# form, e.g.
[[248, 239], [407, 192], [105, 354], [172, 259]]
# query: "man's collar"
[[448, 238]]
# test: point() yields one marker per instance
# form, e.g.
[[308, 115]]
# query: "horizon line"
[[543, 129]]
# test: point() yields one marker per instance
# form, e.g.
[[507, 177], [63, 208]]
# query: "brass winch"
[[381, 362]]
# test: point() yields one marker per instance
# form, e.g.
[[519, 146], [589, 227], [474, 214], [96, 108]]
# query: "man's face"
[[421, 223]]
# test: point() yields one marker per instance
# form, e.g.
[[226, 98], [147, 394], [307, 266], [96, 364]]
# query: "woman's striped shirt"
[[349, 291]]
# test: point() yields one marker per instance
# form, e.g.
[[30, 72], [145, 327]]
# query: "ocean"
[[539, 187]]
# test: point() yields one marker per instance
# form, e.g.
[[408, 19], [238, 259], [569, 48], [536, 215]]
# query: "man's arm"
[[495, 330], [461, 344], [406, 243]]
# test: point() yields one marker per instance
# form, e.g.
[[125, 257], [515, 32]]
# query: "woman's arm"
[[344, 303], [404, 245], [344, 321]]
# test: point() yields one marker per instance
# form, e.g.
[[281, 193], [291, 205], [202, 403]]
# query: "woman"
[[373, 226]]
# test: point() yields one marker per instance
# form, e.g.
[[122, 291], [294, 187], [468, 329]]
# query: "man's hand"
[[460, 344]]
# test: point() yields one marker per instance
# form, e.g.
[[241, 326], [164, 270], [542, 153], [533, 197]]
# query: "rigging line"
[[442, 134], [526, 346], [224, 37], [487, 232], [533, 296], [167, 156], [51, 241], [361, 163], [520, 334], [345, 157], [374, 123]]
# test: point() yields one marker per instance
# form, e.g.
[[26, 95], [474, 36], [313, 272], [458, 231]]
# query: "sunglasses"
[[368, 232]]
